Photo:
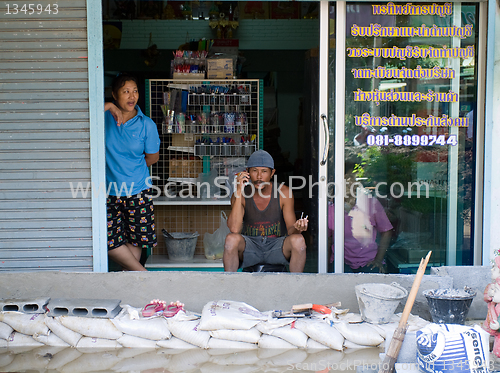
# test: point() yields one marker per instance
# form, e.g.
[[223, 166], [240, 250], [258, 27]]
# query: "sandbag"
[[17, 339], [361, 334], [91, 327], [29, 324], [268, 341], [226, 314], [91, 344], [3, 344], [136, 342], [27, 362], [352, 345], [63, 357], [227, 344], [50, 340], [6, 359], [5, 330], [291, 334], [237, 358], [452, 348], [266, 327], [189, 331], [155, 328], [188, 360], [288, 358], [67, 335], [176, 344], [321, 332], [92, 362], [250, 335], [313, 345]]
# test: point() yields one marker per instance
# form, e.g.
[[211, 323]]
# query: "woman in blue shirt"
[[132, 145]]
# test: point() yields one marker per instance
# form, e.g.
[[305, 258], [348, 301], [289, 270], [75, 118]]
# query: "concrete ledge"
[[195, 289]]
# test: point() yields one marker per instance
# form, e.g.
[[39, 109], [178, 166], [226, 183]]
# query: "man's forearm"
[[235, 218]]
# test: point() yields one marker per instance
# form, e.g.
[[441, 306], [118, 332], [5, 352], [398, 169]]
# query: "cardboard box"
[[189, 76], [220, 64], [187, 168], [219, 74]]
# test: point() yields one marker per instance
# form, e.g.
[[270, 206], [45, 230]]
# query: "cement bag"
[[92, 344], [321, 332], [50, 340], [67, 335], [250, 336], [360, 334], [176, 344], [91, 327], [232, 345], [224, 314], [266, 327], [291, 334], [214, 243], [268, 341], [26, 323], [313, 345], [91, 363], [153, 328], [5, 330], [189, 331], [136, 342], [452, 348], [63, 357]]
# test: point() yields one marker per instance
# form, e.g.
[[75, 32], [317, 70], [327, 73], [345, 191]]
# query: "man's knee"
[[298, 243], [233, 241]]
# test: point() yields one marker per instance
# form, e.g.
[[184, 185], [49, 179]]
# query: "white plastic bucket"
[[377, 302]]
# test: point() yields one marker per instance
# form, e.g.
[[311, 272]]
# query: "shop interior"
[[138, 39]]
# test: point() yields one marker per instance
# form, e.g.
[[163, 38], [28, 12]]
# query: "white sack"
[[155, 328], [313, 345], [226, 344], [5, 330], [92, 344], [50, 340], [226, 314], [362, 334], [67, 335], [288, 358], [269, 325], [176, 344], [324, 359], [142, 363], [190, 332], [352, 345], [268, 341], [22, 340], [136, 342], [321, 332], [29, 324], [6, 359], [91, 327], [250, 336], [63, 357], [188, 360], [125, 353], [92, 362], [3, 344], [293, 335]]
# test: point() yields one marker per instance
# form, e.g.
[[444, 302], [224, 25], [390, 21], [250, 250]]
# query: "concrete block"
[[98, 308], [36, 305], [475, 277]]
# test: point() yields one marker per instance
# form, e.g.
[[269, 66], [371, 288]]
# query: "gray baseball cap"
[[261, 158]]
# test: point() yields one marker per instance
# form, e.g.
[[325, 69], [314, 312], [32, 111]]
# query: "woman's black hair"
[[120, 80]]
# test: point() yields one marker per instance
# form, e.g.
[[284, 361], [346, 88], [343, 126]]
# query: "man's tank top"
[[268, 222]]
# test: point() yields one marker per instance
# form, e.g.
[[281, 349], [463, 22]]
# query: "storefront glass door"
[[402, 121]]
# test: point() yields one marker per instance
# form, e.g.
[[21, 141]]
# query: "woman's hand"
[[375, 263], [115, 112]]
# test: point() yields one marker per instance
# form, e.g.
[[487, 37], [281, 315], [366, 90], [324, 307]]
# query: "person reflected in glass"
[[367, 229], [132, 145]]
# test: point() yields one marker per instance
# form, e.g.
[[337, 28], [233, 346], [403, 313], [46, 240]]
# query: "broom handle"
[[414, 290]]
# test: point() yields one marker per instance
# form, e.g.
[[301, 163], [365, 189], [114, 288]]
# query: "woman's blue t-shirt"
[[126, 145]]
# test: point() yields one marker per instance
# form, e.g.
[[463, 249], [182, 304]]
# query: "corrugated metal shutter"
[[44, 137]]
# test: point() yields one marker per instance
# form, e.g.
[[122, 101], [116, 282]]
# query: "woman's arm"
[[152, 158], [115, 112]]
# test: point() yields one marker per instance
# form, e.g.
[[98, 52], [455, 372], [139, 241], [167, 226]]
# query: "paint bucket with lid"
[[377, 302]]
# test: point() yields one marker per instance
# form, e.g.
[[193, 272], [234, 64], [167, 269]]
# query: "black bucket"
[[449, 306]]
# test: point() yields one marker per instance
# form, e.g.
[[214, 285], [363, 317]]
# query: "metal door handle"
[[327, 140]]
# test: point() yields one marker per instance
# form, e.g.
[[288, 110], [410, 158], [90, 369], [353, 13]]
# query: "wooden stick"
[[399, 334]]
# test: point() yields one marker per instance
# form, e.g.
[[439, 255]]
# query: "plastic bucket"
[[377, 302], [449, 306], [181, 247]]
